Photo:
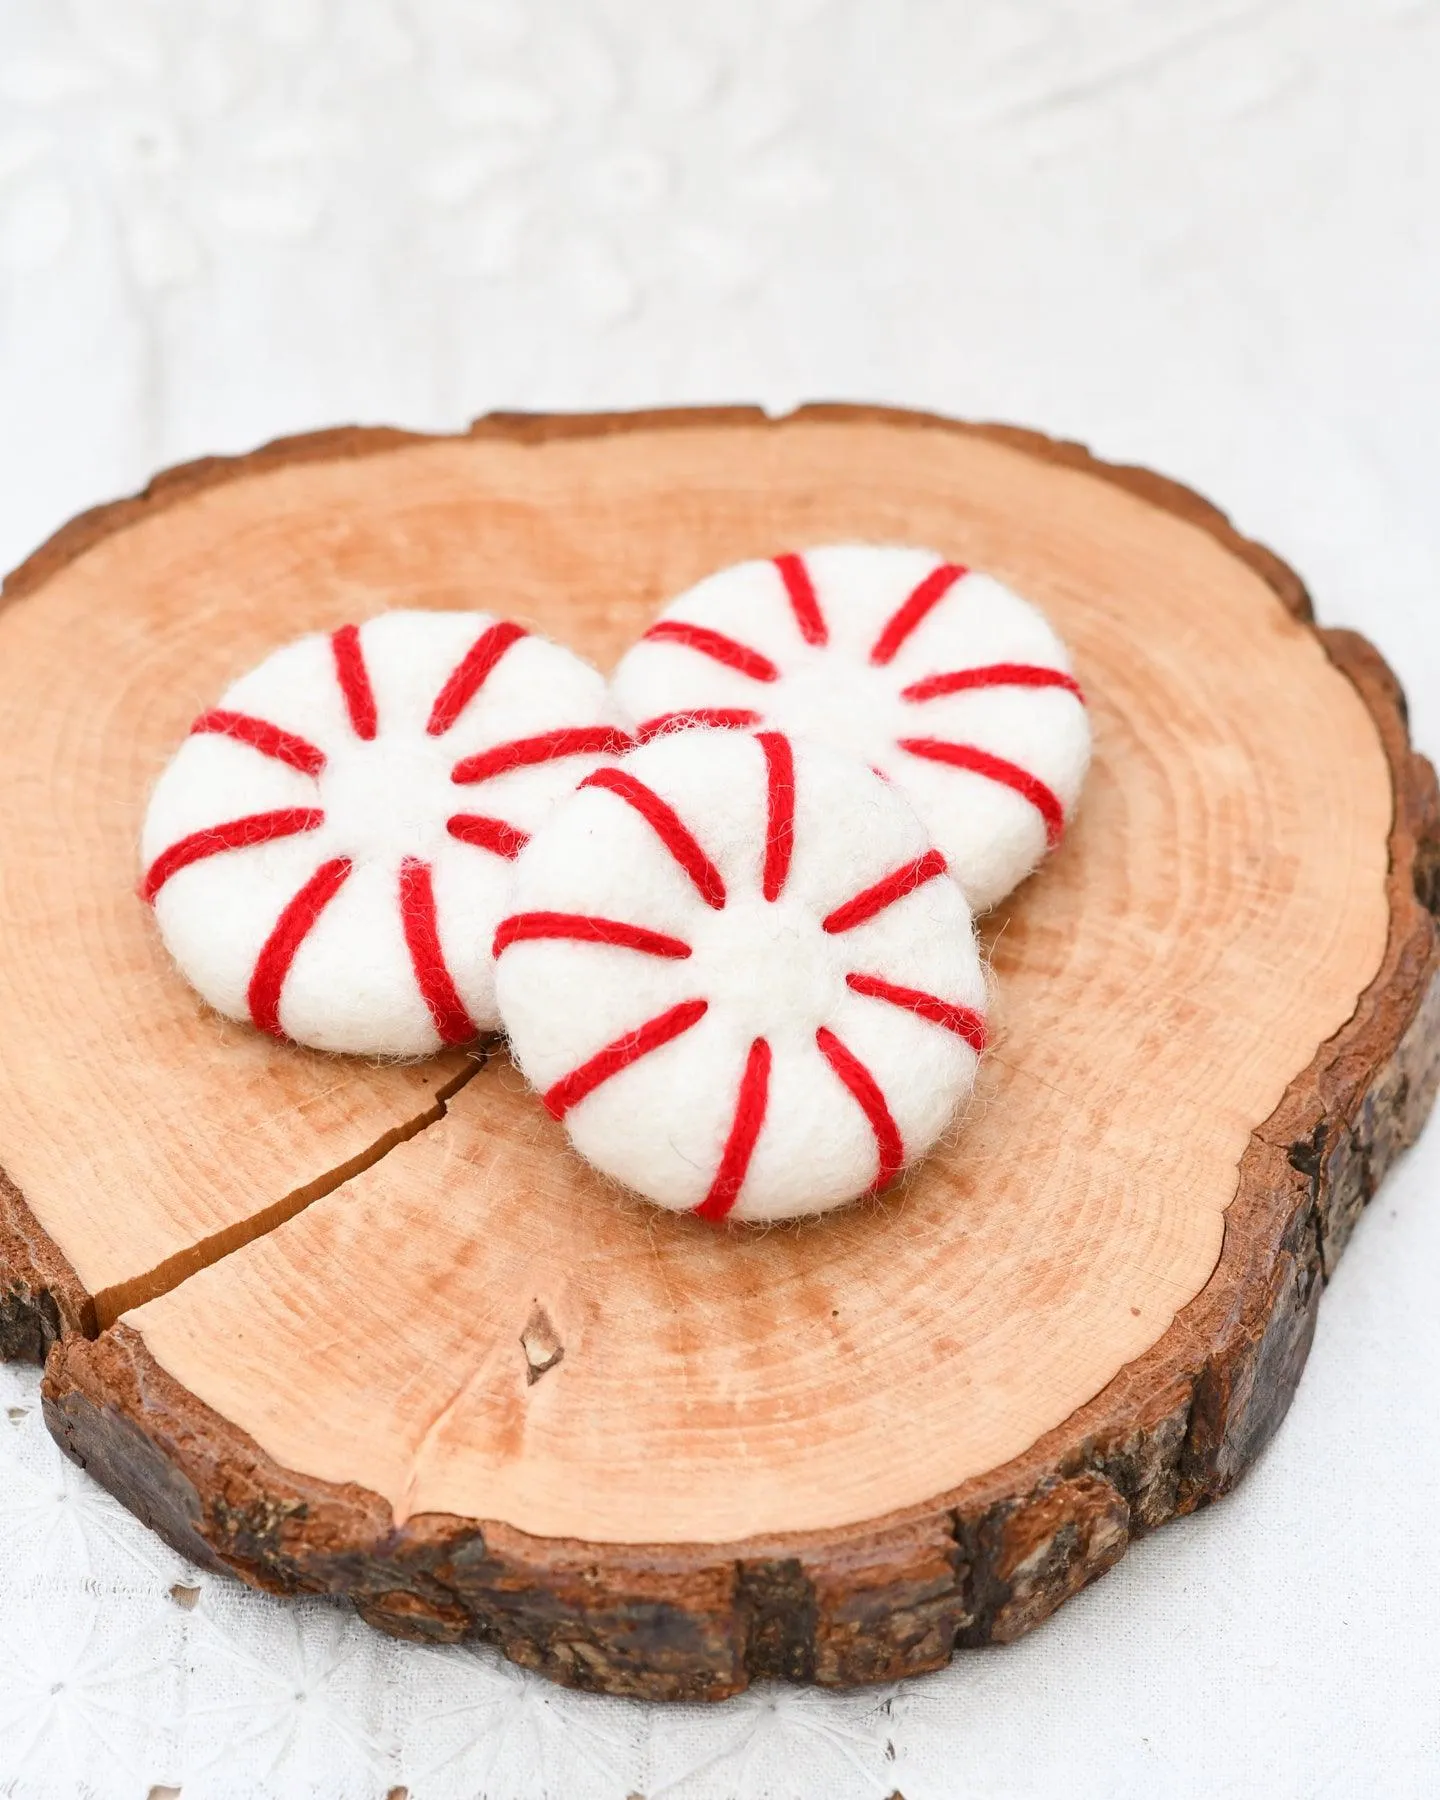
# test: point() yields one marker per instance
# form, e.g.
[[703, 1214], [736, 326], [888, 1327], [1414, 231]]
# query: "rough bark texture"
[[984, 1563], [41, 1297]]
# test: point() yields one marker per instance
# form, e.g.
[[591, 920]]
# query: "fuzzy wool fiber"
[[737, 971], [942, 678], [330, 850]]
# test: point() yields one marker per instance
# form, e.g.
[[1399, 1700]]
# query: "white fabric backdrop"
[[1199, 234]]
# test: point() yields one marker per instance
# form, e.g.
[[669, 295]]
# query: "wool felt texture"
[[330, 850], [737, 971], [940, 677]]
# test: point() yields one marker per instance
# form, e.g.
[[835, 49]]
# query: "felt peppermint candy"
[[737, 972], [330, 850], [941, 678]]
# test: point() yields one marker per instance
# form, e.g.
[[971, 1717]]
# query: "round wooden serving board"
[[373, 1330]]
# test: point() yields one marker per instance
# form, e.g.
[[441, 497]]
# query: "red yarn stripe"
[[744, 1132], [585, 928], [427, 955], [964, 1021], [470, 674], [668, 826], [488, 834], [720, 717], [270, 740], [714, 644], [549, 746], [354, 679], [885, 892], [990, 675], [928, 595], [800, 590], [779, 811], [995, 768], [234, 834], [291, 929], [571, 1089], [867, 1095]]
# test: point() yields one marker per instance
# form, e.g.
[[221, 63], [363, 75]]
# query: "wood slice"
[[376, 1331]]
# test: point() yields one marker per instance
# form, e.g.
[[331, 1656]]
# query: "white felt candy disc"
[[330, 850], [943, 679], [737, 972]]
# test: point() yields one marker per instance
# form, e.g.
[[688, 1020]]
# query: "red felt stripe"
[[991, 675], [964, 1021], [293, 926], [668, 826], [995, 768], [488, 834], [585, 928], [571, 1089], [915, 609], [885, 892], [233, 834], [744, 1133], [548, 746], [800, 591], [270, 740], [779, 811], [354, 679], [471, 673], [717, 717], [865, 1090], [427, 956], [716, 645]]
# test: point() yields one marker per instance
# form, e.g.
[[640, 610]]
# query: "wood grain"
[[654, 1459]]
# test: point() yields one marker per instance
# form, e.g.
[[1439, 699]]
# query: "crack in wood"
[[111, 1302]]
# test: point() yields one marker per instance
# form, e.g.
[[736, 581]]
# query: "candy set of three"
[[722, 905]]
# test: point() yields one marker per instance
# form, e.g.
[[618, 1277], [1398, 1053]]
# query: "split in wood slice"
[[487, 1395]]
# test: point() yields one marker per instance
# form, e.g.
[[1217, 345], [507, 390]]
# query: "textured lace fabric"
[[1191, 234]]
